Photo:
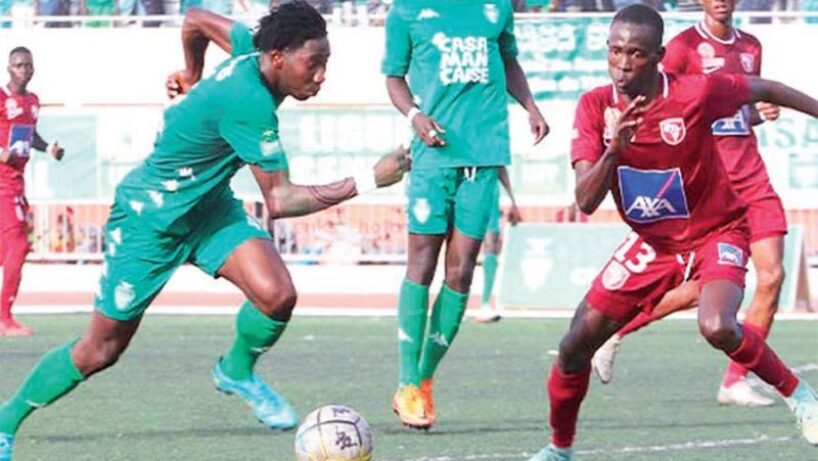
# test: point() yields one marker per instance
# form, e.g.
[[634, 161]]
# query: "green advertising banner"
[[551, 266]]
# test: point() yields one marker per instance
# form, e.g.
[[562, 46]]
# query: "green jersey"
[[227, 120], [453, 53]]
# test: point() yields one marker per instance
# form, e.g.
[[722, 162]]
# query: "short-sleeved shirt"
[[18, 120], [670, 185], [226, 121], [697, 51], [453, 54]]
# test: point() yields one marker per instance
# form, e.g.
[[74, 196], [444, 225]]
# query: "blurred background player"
[[19, 110], [714, 47], [165, 210], [461, 61], [648, 140], [492, 245]]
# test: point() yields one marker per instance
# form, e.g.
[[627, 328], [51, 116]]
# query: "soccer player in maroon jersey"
[[714, 46], [19, 109], [647, 139]]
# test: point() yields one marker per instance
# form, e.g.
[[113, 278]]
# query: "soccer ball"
[[333, 433]]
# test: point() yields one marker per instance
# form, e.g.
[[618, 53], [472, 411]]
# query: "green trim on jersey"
[[453, 53]]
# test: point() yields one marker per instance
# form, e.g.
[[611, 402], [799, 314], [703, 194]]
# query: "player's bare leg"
[[408, 401], [447, 312], [256, 268], [570, 375], [62, 369], [767, 257], [492, 245], [681, 298], [718, 305], [14, 250]]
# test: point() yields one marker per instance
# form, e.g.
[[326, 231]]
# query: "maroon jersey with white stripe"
[[18, 117], [670, 185], [697, 51]]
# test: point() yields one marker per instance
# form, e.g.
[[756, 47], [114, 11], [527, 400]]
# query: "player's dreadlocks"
[[288, 26], [643, 15]]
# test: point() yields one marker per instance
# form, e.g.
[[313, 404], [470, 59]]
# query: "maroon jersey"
[[697, 51], [18, 117], [670, 185]]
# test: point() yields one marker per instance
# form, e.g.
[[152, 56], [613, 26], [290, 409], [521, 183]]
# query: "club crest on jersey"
[[748, 62], [13, 110], [730, 255], [710, 63], [491, 12], [611, 116], [672, 130], [652, 195]]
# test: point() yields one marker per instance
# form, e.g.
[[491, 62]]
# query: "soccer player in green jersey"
[[177, 206], [460, 61]]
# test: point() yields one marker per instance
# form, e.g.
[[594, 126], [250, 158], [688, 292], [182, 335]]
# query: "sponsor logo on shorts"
[[615, 276], [730, 255], [124, 295], [421, 210], [652, 195], [673, 130]]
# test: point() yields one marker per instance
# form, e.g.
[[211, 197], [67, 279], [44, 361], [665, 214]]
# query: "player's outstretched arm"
[[426, 128], [199, 28], [517, 86], [782, 95], [285, 199]]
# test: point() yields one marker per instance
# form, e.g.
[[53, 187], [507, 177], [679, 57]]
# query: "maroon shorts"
[[766, 218], [637, 276], [13, 211]]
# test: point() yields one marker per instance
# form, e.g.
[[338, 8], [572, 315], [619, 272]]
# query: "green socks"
[[412, 306], [489, 271], [255, 333], [447, 313], [54, 376]]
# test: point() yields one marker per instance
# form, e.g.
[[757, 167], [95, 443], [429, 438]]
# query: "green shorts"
[[461, 197], [496, 215], [140, 259]]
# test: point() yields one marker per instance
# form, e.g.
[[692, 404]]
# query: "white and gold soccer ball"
[[333, 433]]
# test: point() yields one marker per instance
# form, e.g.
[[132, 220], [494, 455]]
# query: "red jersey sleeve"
[[675, 60], [586, 140], [724, 95]]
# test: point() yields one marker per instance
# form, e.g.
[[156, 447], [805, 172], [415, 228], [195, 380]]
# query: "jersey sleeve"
[[507, 40], [253, 134], [724, 95], [586, 138], [675, 60], [241, 39], [398, 52]]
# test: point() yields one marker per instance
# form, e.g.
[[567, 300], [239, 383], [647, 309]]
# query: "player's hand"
[[768, 111], [627, 124], [539, 127], [56, 151], [428, 130], [391, 167], [179, 83], [514, 216]]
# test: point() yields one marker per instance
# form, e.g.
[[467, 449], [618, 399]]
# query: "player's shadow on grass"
[[459, 427], [630, 424], [214, 432]]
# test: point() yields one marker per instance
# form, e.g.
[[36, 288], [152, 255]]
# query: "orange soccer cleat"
[[409, 404], [428, 400]]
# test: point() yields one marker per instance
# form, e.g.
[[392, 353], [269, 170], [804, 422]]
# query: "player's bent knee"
[[91, 359], [459, 276], [719, 332], [279, 302]]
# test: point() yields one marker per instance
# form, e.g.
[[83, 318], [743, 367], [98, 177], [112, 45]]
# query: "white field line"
[[592, 454]]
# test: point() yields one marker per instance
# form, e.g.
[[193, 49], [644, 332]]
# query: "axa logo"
[[652, 195]]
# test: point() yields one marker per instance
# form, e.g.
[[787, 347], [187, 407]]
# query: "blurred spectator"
[[62, 236], [142, 8], [756, 5], [812, 6], [5, 12], [52, 8], [97, 8]]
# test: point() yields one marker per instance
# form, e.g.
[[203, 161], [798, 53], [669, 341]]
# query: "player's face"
[[21, 68], [304, 69], [633, 59], [720, 10]]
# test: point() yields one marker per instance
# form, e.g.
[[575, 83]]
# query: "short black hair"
[[19, 49], [288, 26], [643, 15]]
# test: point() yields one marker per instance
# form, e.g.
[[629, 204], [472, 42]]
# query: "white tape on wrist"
[[412, 113], [365, 180], [51, 146]]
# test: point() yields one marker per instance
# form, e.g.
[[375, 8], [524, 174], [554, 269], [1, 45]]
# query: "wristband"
[[365, 180], [412, 113], [51, 146]]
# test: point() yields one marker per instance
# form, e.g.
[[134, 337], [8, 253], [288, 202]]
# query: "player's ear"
[[277, 58], [660, 54]]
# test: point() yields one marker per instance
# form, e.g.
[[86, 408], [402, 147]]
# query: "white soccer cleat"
[[603, 360], [552, 453], [741, 394], [486, 315], [804, 404]]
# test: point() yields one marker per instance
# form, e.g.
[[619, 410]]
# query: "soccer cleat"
[[804, 404], [269, 407], [428, 400], [9, 327], [486, 315], [741, 394], [552, 453], [6, 446], [408, 403], [603, 360]]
